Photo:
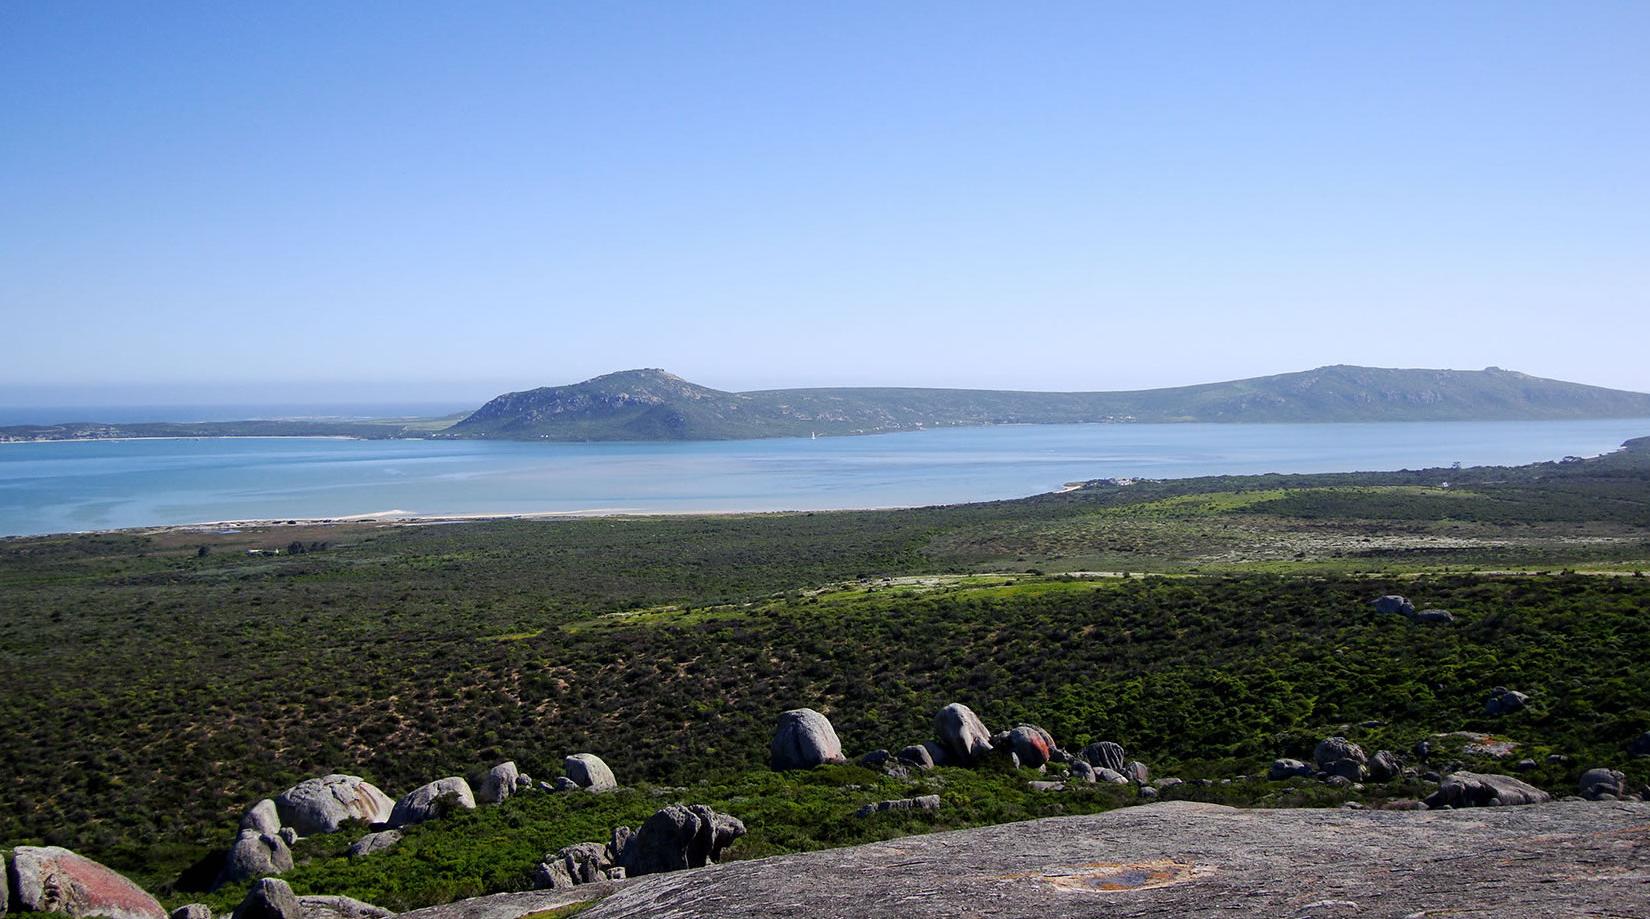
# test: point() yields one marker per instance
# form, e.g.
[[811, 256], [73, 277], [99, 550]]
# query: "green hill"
[[655, 405]]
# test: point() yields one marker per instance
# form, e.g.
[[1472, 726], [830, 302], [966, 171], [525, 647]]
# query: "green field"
[[151, 692]]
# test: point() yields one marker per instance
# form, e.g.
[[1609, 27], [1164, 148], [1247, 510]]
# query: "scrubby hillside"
[[139, 671]]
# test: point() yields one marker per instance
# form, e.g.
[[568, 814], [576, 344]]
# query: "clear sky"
[[453, 199]]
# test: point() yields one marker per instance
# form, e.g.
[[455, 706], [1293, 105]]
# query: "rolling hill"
[[655, 405]]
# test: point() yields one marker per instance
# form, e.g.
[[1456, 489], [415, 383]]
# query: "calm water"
[[59, 487]]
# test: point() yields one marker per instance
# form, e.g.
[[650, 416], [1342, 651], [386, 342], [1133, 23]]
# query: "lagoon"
[[55, 487]]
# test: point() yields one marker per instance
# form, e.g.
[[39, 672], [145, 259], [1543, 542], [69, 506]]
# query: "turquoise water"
[[93, 485]]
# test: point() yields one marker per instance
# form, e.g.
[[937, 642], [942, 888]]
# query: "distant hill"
[[655, 405]]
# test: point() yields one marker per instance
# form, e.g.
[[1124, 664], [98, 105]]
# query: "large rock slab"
[[324, 804], [331, 907], [516, 905], [51, 879], [804, 739], [1179, 859], [961, 733], [432, 801]]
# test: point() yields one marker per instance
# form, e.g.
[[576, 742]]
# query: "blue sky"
[[433, 200]]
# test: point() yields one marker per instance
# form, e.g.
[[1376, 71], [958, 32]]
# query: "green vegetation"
[[654, 405], [151, 692]]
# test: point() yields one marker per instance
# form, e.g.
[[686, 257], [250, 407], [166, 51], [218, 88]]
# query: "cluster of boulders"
[[323, 805], [675, 838], [1338, 761], [1393, 603], [804, 739]]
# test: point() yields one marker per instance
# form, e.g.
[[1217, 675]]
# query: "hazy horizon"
[[434, 203]]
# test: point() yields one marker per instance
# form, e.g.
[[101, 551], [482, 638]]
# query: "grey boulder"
[[1332, 749], [1105, 755], [428, 802], [961, 733], [1602, 784], [1472, 789], [679, 837], [1282, 769], [51, 879], [269, 898], [1082, 771], [916, 755], [1107, 774], [262, 817], [587, 771], [804, 739], [1393, 603], [1384, 766], [1435, 616], [1137, 772], [192, 911], [1504, 701], [499, 783], [324, 804], [582, 863], [1033, 745], [255, 855], [373, 842]]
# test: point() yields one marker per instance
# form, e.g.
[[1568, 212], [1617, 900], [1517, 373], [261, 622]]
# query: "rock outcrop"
[[255, 855], [1472, 789], [675, 838], [583, 863], [1435, 616], [961, 733], [499, 783], [323, 805], [51, 879], [269, 898], [1193, 861], [330, 907], [587, 771], [428, 802], [804, 739]]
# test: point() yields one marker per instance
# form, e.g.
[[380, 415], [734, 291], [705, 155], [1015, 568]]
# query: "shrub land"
[[153, 690]]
